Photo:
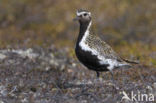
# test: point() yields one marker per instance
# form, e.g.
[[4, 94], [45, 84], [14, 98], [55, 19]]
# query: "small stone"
[[73, 64], [47, 68], [3, 91], [154, 85], [2, 56], [154, 91], [62, 67], [84, 101], [90, 82], [1, 101], [100, 79], [70, 70], [25, 100], [149, 88]]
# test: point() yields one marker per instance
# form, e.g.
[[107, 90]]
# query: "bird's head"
[[83, 16]]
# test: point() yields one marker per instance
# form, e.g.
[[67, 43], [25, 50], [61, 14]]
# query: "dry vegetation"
[[55, 75]]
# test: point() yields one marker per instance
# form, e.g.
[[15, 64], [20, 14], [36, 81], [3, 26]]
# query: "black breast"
[[89, 60]]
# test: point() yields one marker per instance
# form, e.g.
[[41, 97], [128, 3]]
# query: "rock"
[[154, 85], [149, 89], [1, 101], [3, 90], [2, 56], [26, 53]]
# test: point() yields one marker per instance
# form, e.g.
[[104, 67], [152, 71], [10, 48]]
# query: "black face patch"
[[85, 19]]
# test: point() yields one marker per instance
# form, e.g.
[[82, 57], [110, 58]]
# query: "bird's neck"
[[84, 30]]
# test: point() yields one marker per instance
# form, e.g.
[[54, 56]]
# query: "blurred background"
[[127, 25], [37, 58]]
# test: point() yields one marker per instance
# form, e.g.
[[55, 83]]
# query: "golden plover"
[[91, 51]]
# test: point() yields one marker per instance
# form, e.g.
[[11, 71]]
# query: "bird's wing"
[[109, 53], [105, 50]]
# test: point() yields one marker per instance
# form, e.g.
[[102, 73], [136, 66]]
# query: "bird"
[[92, 51]]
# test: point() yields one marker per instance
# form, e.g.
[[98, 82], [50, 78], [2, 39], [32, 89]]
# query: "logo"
[[138, 97]]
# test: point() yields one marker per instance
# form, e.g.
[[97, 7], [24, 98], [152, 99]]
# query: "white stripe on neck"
[[102, 60], [86, 34]]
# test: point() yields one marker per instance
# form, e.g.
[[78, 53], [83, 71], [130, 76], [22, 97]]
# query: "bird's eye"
[[85, 14]]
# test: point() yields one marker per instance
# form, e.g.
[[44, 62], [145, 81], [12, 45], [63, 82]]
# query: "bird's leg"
[[97, 74], [98, 80], [112, 75], [114, 82]]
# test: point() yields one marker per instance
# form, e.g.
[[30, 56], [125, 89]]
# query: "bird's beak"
[[76, 18]]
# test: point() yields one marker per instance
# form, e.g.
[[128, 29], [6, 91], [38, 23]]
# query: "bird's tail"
[[131, 62]]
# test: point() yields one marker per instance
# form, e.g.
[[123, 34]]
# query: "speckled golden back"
[[102, 47]]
